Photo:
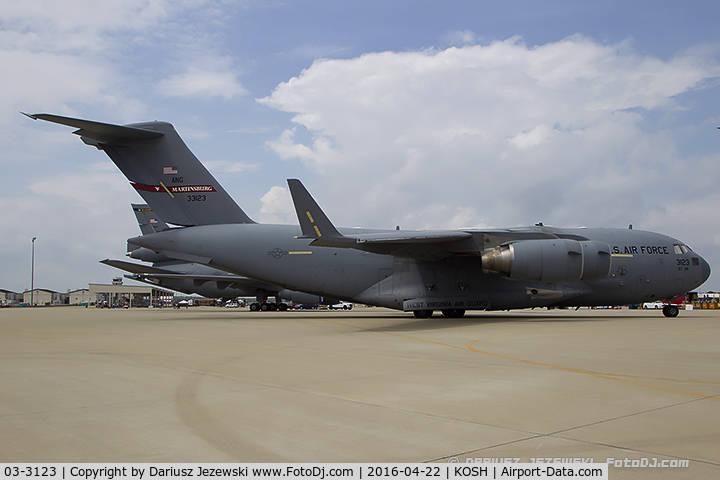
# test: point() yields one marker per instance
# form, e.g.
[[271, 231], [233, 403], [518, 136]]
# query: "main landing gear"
[[268, 307], [670, 311], [448, 313]]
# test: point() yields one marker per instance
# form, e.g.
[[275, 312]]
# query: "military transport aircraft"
[[143, 160], [418, 271], [189, 277]]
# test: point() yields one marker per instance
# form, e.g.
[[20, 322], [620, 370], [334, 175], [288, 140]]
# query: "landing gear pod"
[[550, 261]]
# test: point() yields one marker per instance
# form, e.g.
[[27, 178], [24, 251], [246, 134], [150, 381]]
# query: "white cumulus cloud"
[[277, 207], [489, 135], [199, 82]]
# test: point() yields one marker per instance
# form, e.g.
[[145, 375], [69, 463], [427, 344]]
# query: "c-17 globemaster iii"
[[192, 197], [420, 271], [190, 277]]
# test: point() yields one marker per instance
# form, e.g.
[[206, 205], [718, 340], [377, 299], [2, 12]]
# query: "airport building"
[[9, 298], [119, 295], [78, 297], [115, 295], [42, 296]]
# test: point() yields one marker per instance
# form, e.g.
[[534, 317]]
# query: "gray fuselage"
[[645, 266]]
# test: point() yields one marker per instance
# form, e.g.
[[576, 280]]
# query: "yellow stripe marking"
[[300, 253], [317, 230], [310, 217], [625, 255], [166, 189]]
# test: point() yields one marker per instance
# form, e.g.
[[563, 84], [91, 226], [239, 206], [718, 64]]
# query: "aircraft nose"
[[705, 270]]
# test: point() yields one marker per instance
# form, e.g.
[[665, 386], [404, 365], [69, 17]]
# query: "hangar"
[[43, 296], [80, 296], [8, 297], [119, 295]]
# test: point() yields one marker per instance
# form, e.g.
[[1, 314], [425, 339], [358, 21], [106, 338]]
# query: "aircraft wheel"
[[265, 307], [282, 307], [254, 307], [422, 313], [670, 311], [453, 313]]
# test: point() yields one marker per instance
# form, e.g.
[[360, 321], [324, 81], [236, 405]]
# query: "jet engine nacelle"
[[549, 261], [146, 255]]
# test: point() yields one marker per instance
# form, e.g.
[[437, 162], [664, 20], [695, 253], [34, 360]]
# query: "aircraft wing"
[[315, 225], [154, 272], [425, 244], [135, 267], [426, 236]]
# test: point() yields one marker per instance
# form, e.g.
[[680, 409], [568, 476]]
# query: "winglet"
[[313, 221]]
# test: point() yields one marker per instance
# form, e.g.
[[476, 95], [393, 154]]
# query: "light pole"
[[32, 273]]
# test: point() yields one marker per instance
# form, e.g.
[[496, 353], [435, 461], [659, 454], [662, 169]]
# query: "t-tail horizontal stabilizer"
[[102, 132]]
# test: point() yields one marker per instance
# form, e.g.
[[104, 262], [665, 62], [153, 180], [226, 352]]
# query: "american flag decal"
[[169, 170]]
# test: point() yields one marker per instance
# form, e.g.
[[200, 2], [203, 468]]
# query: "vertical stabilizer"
[[162, 169], [148, 220]]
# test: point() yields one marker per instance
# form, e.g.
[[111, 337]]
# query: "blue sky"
[[413, 113]]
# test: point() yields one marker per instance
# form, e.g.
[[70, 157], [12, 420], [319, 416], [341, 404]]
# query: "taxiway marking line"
[[608, 376]]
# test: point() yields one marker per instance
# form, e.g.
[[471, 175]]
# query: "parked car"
[[653, 305], [341, 306]]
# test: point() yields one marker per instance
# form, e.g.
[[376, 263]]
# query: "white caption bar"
[[299, 471]]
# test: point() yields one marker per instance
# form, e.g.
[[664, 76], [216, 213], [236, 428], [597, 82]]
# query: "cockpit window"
[[681, 248]]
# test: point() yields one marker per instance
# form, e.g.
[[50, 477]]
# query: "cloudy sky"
[[422, 114]]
